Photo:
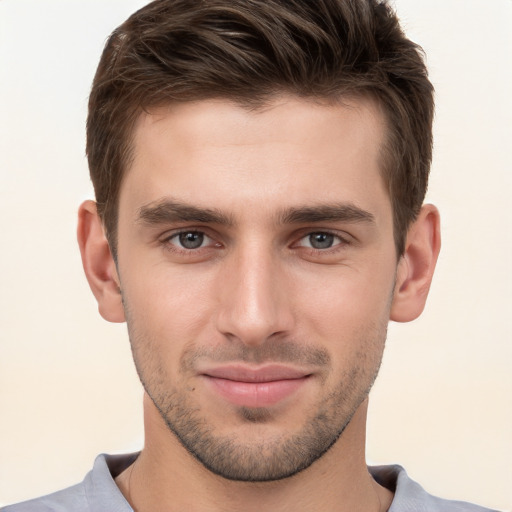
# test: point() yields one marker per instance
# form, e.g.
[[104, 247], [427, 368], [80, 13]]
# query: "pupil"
[[191, 240], [321, 240]]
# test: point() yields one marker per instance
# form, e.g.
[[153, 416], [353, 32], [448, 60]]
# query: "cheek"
[[348, 292], [166, 307], [347, 304]]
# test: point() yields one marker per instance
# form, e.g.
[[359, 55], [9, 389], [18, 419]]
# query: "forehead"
[[279, 118], [218, 153]]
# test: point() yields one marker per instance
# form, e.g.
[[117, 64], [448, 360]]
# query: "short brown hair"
[[249, 50]]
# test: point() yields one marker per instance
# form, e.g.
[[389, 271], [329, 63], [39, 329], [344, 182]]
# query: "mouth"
[[255, 387]]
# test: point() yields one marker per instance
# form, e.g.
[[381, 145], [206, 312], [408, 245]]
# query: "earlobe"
[[416, 266], [98, 263]]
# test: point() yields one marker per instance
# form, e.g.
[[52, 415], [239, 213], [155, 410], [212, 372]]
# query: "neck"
[[166, 477]]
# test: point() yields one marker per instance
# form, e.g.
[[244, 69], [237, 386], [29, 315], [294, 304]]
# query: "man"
[[259, 169]]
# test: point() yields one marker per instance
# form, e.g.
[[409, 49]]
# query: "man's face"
[[257, 267]]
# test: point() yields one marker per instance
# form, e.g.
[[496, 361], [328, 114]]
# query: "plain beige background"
[[442, 405]]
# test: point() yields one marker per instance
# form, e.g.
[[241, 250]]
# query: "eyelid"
[[167, 239], [344, 238]]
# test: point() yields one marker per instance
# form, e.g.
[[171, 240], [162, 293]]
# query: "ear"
[[98, 263], [416, 266]]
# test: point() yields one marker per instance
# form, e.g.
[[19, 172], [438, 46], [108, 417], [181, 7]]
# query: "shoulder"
[[98, 491], [409, 495], [72, 498]]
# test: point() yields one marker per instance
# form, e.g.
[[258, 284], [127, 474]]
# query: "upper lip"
[[266, 373]]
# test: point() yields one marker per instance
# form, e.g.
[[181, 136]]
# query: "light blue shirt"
[[99, 493]]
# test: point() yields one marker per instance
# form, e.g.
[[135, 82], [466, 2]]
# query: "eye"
[[320, 240], [190, 240]]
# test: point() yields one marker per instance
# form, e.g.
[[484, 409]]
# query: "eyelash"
[[169, 245], [343, 242]]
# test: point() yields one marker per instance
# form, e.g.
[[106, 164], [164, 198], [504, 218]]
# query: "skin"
[[251, 239]]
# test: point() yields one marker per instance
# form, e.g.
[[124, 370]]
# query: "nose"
[[254, 299]]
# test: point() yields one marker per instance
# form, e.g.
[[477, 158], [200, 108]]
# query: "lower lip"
[[256, 394]]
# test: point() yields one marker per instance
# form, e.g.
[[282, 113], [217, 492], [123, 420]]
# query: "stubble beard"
[[271, 459], [274, 457]]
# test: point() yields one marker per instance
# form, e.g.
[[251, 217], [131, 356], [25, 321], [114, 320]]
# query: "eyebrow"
[[343, 212], [169, 211]]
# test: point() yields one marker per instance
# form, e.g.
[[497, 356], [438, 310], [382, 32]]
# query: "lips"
[[259, 387]]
